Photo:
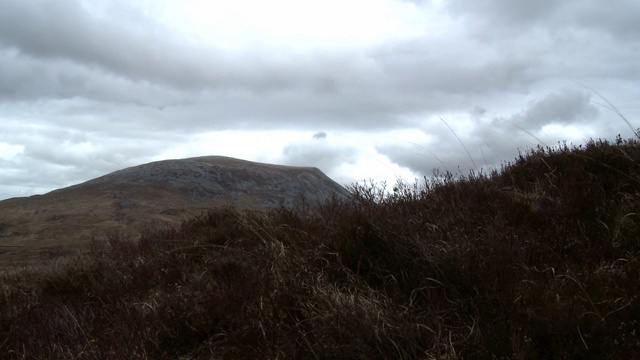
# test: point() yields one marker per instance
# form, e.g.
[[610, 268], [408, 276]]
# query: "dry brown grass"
[[540, 260]]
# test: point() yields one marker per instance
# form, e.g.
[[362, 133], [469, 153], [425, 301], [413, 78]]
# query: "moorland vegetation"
[[537, 260]]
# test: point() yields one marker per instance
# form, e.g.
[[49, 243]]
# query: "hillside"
[[540, 260], [161, 193]]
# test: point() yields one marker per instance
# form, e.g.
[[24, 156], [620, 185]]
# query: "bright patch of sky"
[[298, 25]]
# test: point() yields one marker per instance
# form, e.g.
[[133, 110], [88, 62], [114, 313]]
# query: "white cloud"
[[9, 151], [88, 87], [289, 24]]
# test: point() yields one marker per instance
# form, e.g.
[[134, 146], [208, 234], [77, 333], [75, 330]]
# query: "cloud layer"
[[88, 87]]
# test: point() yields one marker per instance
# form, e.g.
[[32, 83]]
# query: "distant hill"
[[129, 200]]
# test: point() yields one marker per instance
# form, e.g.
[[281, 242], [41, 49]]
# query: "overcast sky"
[[362, 89]]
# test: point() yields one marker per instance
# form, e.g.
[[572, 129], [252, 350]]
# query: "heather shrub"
[[538, 260]]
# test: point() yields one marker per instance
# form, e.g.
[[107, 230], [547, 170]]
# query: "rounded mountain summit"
[[130, 200], [213, 181]]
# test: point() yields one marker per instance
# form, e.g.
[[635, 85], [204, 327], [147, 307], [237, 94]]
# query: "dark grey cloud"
[[565, 108], [503, 12], [89, 87], [417, 69], [320, 135], [72, 54], [492, 140], [143, 51], [24, 79], [140, 51], [619, 20]]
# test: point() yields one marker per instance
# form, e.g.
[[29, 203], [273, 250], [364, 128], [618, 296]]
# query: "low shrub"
[[538, 260]]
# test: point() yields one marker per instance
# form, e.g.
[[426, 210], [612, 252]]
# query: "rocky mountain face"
[[156, 194]]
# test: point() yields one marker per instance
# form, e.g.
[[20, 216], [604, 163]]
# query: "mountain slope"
[[129, 200]]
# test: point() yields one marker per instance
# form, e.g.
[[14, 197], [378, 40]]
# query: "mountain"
[[164, 192]]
